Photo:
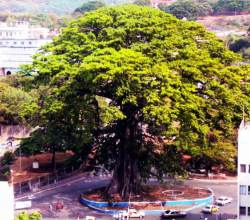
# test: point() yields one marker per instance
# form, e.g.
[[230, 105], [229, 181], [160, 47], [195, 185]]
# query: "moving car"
[[173, 214], [223, 200], [131, 213], [210, 209]]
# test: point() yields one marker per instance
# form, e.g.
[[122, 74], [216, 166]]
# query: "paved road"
[[69, 194]]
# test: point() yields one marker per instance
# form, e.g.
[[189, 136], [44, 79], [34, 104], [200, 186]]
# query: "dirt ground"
[[22, 167], [154, 193], [235, 23]]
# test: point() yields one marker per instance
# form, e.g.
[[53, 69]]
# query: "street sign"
[[23, 204]]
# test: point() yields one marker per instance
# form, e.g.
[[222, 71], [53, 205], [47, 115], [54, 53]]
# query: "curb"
[[97, 206], [214, 181]]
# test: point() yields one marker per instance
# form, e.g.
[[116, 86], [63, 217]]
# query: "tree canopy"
[[241, 45], [137, 88], [31, 216], [89, 6], [12, 104], [190, 9], [231, 6]]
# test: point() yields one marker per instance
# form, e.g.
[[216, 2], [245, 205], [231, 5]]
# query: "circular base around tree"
[[152, 199]]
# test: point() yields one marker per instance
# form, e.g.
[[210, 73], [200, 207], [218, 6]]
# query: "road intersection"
[[68, 192]]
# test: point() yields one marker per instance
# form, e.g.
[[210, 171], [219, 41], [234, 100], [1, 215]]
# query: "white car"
[[210, 209], [173, 214], [223, 200], [131, 213]]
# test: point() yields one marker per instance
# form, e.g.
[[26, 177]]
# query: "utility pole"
[[20, 159]]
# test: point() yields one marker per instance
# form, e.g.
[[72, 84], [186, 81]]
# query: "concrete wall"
[[98, 205]]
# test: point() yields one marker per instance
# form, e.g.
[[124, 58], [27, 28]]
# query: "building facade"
[[18, 43], [244, 171], [6, 201]]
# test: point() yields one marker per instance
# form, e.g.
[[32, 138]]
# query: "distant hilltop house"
[[19, 41], [156, 3]]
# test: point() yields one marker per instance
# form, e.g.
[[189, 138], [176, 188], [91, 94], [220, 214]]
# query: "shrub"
[[26, 216], [8, 158]]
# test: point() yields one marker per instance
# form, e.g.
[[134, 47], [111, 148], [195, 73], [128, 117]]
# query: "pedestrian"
[[50, 207], [220, 216]]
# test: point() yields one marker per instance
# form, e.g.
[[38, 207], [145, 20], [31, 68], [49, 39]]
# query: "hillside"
[[44, 6], [225, 25]]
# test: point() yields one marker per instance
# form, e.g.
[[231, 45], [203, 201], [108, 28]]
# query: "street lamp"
[[11, 177], [20, 159]]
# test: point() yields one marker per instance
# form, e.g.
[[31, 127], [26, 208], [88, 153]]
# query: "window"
[[243, 190], [248, 190], [248, 211], [243, 168], [248, 168], [242, 210]]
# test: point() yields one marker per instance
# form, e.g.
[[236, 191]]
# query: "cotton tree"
[[136, 87]]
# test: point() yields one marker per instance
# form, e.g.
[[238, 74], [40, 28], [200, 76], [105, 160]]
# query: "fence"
[[34, 184]]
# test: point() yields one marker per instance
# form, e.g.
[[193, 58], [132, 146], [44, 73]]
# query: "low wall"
[[98, 206]]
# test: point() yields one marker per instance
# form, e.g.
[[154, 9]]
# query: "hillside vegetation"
[[45, 6]]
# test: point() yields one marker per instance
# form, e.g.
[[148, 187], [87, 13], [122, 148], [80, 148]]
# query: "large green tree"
[[136, 87]]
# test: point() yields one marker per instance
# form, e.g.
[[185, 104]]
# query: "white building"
[[244, 171], [18, 43], [6, 201]]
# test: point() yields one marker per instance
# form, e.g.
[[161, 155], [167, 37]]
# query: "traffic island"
[[152, 200]]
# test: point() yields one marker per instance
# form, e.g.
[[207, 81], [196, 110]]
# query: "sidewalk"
[[214, 178], [77, 177]]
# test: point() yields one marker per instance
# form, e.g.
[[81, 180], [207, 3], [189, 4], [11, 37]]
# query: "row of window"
[[5, 33], [244, 210], [243, 168], [244, 190], [14, 43]]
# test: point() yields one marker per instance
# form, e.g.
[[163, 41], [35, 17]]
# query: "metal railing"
[[35, 184]]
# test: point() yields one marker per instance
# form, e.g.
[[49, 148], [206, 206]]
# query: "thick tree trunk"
[[126, 177]]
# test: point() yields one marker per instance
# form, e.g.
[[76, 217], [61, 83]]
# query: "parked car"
[[131, 213], [173, 214], [210, 209], [223, 200]]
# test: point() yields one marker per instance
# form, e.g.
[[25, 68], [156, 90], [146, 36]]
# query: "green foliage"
[[231, 6], [132, 85], [60, 7], [4, 173], [241, 45], [189, 9], [8, 158], [89, 6], [26, 216], [51, 21], [39, 6], [12, 104]]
